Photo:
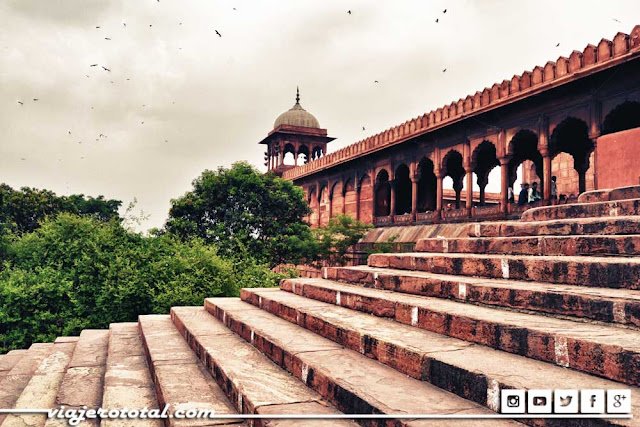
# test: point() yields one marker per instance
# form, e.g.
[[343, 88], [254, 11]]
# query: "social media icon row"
[[565, 401]]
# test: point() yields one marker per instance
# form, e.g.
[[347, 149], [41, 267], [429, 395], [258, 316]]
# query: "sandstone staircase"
[[549, 302]]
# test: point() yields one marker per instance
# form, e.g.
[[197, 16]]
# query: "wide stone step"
[[607, 351], [9, 360], [127, 381], [469, 370], [14, 382], [253, 382], [604, 272], [540, 245], [601, 304], [564, 227], [620, 193], [83, 380], [42, 388], [180, 378], [350, 381], [583, 210]]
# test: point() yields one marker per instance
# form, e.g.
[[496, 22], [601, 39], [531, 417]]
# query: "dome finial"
[[297, 95]]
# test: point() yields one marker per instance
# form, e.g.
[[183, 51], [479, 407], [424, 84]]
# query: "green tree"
[[78, 272], [240, 209], [22, 210]]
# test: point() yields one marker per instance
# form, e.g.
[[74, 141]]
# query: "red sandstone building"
[[577, 118]]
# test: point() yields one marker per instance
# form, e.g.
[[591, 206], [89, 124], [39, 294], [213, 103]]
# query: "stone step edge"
[[566, 300], [600, 272], [233, 391], [615, 208], [588, 245], [619, 363], [617, 226], [298, 368], [377, 348]]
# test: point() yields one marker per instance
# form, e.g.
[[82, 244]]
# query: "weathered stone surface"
[[583, 210], [42, 388], [536, 337], [127, 381], [247, 376], [607, 272], [348, 380], [603, 304], [563, 227], [628, 245], [621, 193], [181, 380], [466, 369], [91, 348]]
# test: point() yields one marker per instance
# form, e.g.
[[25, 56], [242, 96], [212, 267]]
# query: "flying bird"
[[219, 35], [437, 20], [105, 68], [97, 27], [107, 38], [444, 71], [375, 81], [22, 158], [124, 23], [142, 123], [444, 11], [35, 99], [616, 20], [349, 12], [150, 25], [20, 102], [558, 45], [79, 142], [69, 132], [93, 65], [363, 128]]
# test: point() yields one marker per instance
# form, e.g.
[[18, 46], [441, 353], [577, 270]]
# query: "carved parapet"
[[536, 80]]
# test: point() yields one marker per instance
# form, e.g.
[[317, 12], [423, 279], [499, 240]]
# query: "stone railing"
[[402, 219], [426, 216], [579, 64], [383, 220]]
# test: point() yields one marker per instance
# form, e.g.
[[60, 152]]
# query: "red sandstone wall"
[[366, 202], [618, 157]]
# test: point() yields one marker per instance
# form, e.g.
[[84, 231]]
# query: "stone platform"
[[552, 301]]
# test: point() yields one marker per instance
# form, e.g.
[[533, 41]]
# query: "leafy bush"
[[332, 241], [76, 272]]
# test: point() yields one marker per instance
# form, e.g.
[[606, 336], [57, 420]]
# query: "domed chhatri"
[[297, 116], [296, 138]]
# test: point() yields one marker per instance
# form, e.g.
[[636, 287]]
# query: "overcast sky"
[[206, 100]]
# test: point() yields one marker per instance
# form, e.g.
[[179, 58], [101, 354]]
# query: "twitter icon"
[[565, 401]]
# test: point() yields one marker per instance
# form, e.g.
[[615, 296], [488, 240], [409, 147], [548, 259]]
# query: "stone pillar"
[[582, 180], [546, 175], [457, 187], [439, 178], [504, 176], [392, 206], [344, 204], [483, 180], [469, 203], [414, 198], [295, 157], [280, 157], [330, 205]]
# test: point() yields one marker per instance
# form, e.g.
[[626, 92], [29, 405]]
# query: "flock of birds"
[[102, 136]]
